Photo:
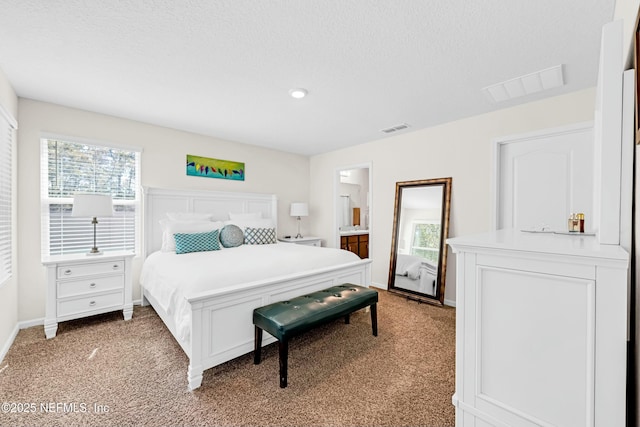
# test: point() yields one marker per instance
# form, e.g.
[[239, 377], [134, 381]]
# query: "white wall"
[[461, 150], [163, 165], [9, 292]]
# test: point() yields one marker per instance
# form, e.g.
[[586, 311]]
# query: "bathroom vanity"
[[356, 241]]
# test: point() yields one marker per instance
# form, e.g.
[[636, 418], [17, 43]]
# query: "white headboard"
[[159, 201]]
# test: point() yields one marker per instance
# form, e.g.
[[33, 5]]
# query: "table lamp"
[[92, 205], [298, 210]]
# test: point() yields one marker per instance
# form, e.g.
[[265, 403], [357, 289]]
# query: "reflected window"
[[425, 241]]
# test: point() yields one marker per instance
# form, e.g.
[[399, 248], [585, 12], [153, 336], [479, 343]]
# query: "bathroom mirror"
[[418, 249]]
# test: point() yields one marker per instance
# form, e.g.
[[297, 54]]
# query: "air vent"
[[395, 128], [526, 85]]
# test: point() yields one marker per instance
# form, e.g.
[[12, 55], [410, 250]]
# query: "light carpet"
[[103, 371]]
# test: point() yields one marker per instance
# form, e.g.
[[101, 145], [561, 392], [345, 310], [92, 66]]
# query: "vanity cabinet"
[[356, 243], [541, 330]]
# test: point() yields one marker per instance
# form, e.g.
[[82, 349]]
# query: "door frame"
[[336, 197], [499, 143]]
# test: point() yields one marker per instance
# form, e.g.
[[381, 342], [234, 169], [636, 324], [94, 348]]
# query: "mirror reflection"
[[418, 251]]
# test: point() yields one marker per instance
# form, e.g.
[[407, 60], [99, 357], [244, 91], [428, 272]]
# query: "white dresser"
[[541, 330], [80, 285]]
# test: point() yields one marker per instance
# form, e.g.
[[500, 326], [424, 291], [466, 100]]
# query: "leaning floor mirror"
[[418, 245]]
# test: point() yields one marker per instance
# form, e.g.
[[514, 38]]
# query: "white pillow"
[[413, 271], [253, 223], [189, 216], [244, 216], [408, 265], [169, 228]]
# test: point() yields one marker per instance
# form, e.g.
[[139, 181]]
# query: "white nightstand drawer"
[[307, 241], [90, 303], [80, 270], [88, 286]]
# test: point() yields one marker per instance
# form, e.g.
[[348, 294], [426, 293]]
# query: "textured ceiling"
[[224, 68]]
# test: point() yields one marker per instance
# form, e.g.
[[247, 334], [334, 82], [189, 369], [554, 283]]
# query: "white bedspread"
[[174, 279]]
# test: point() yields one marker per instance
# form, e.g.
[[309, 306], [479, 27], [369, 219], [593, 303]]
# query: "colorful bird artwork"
[[214, 168]]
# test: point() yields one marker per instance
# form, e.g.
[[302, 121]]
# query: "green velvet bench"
[[286, 319]]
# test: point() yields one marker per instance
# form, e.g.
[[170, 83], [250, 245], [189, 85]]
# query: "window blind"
[[70, 167], [6, 161]]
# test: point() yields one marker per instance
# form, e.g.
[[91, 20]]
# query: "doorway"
[[352, 201]]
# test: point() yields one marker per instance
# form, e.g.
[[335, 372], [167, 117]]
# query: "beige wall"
[[9, 292], [461, 150], [163, 165]]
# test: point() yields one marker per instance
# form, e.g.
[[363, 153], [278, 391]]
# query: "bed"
[[213, 324], [416, 274]]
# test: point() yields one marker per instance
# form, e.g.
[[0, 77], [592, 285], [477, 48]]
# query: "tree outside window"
[[425, 240], [77, 167]]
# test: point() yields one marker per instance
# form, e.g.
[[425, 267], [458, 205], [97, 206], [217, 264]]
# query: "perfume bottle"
[[580, 217]]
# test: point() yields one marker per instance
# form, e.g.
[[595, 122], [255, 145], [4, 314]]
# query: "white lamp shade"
[[299, 209], [92, 205]]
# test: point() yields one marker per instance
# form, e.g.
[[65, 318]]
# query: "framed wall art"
[[214, 168]]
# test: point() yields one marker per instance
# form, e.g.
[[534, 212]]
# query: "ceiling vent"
[[395, 128], [526, 85]]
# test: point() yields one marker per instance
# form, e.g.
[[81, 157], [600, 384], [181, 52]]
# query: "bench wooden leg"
[[374, 319], [283, 347], [257, 349]]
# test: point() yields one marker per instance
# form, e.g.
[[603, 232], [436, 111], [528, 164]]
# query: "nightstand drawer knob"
[[67, 272], [92, 303], [92, 285], [116, 266]]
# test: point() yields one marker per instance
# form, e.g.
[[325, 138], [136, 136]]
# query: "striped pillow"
[[259, 236], [196, 242]]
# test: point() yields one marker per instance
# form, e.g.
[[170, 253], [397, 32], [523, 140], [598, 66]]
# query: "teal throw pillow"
[[196, 242]]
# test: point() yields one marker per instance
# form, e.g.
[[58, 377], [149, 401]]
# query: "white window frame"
[[46, 200], [414, 225], [8, 126]]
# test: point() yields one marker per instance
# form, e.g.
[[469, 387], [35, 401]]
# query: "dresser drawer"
[[88, 286], [80, 270], [75, 306]]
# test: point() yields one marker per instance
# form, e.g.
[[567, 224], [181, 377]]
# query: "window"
[[70, 167], [7, 127], [425, 240]]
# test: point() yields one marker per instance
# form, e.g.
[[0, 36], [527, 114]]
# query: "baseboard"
[[379, 285], [450, 303], [7, 345], [29, 323]]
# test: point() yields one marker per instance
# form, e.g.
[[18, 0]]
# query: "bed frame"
[[221, 321]]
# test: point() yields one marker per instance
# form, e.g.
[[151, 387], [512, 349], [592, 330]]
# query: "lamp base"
[[94, 251]]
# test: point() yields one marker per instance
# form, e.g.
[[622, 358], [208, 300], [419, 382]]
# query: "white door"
[[544, 177]]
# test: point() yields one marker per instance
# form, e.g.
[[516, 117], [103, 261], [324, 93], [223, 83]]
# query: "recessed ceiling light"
[[298, 93]]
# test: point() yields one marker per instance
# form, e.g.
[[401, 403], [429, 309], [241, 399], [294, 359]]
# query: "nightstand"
[[308, 241], [82, 285]]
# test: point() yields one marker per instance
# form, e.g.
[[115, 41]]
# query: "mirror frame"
[[442, 264]]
